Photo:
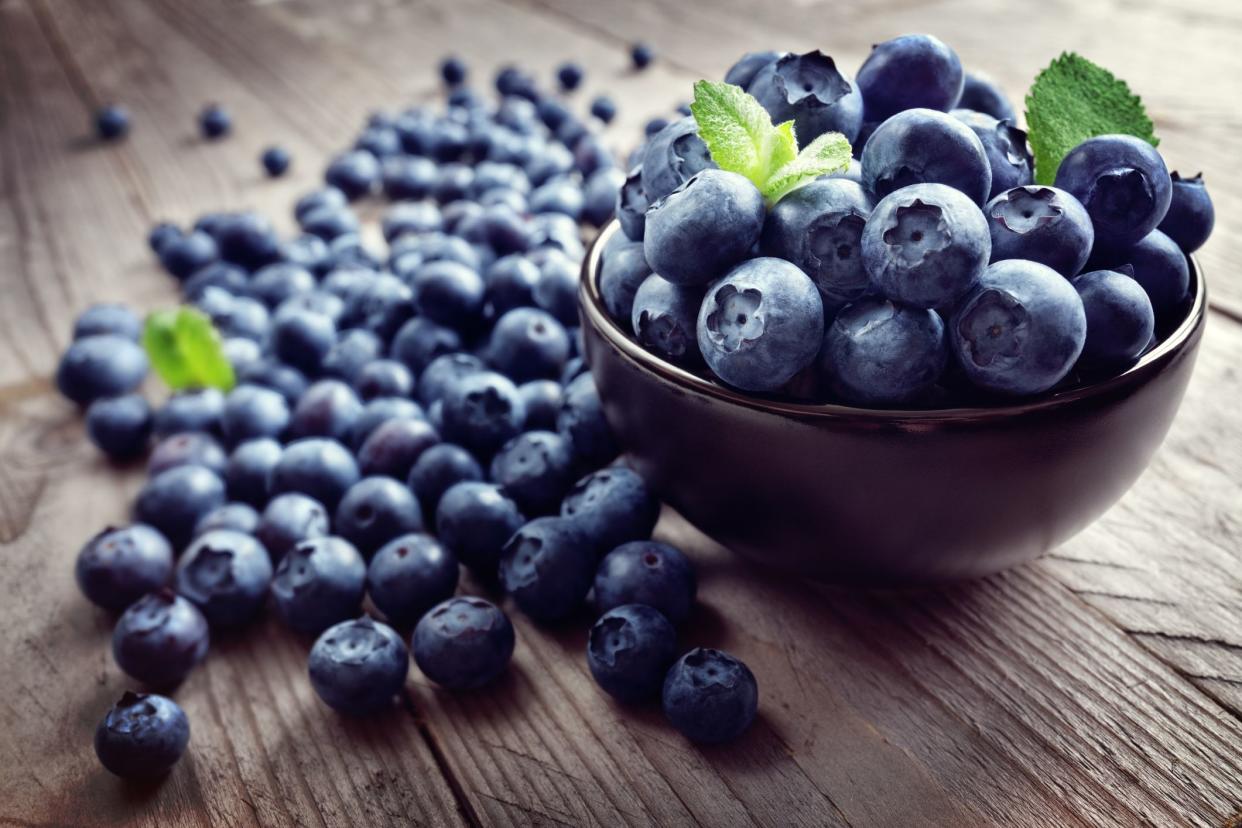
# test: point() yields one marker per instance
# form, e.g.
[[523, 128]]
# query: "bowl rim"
[[594, 314]]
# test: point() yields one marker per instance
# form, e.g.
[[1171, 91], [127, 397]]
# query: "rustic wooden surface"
[[1100, 686]]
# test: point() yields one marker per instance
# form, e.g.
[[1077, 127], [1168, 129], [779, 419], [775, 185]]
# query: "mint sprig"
[[741, 138], [1073, 100], [186, 350]]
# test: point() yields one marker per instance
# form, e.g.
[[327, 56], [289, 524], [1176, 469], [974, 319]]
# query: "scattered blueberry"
[[629, 651], [641, 55], [547, 567], [120, 426], [239, 517], [612, 506], [569, 75], [1191, 215], [275, 161], [105, 365], [582, 422], [226, 574], [142, 736], [357, 666], [290, 519], [437, 469], [710, 696], [409, 575], [107, 319], [249, 469], [112, 122], [319, 582], [120, 565], [374, 511], [214, 122], [474, 520], [174, 500], [160, 638]]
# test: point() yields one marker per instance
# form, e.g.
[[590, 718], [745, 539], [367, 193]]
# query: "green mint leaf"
[[739, 133], [1073, 100], [186, 350], [829, 153]]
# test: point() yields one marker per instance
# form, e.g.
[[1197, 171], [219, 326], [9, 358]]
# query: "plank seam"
[[464, 806]]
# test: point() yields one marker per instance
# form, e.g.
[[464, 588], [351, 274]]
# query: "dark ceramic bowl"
[[851, 494]]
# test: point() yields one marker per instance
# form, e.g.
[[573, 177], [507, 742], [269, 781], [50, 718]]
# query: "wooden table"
[[1099, 686]]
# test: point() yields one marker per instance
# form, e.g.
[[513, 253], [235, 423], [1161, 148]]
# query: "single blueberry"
[[119, 565], [1123, 183], [106, 365], [463, 643], [328, 408], [474, 521], [107, 318], [629, 651], [160, 638], [275, 161], [1160, 266], [316, 466], [383, 378], [394, 447], [353, 350], [142, 736], [1120, 319], [239, 517], [647, 572], [188, 253], [1042, 224], [226, 574], [1005, 147], [557, 289], [612, 506], [439, 468], [535, 469], [631, 206], [374, 511], [710, 696], [481, 411], [356, 667], [278, 282], [253, 411], [120, 426], [453, 70], [922, 146], [569, 75], [1020, 330], [641, 55], [621, 271], [743, 72], [877, 352], [302, 338], [812, 92], [319, 582], [542, 400], [1191, 216], [672, 157], [379, 411], [249, 470], [290, 519], [547, 567], [926, 245], [419, 341], [444, 372], [982, 94], [112, 122], [355, 173], [409, 575], [910, 71], [173, 501], [664, 318], [214, 122]]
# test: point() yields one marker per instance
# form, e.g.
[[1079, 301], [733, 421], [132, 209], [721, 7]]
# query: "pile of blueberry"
[[932, 272], [381, 395]]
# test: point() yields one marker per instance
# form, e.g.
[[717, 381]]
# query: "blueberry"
[[241, 353], [877, 352], [214, 122], [142, 736], [1123, 183], [302, 338], [482, 410], [1158, 265], [393, 447], [653, 126], [926, 245], [275, 161], [252, 411], [357, 666], [569, 76], [383, 378], [330, 223], [509, 283], [324, 198], [411, 217], [672, 157], [112, 122], [408, 177], [1005, 147], [249, 470], [581, 420], [491, 175], [547, 567], [982, 94], [453, 70], [921, 146], [107, 318], [174, 500], [474, 520], [559, 195], [646, 572], [319, 582], [1120, 320], [449, 293], [161, 234], [542, 400], [1191, 216], [316, 466], [453, 183], [443, 372], [120, 426], [812, 92], [743, 72], [439, 468], [226, 574], [631, 205], [620, 274], [463, 643], [379, 411], [513, 81], [535, 469], [1043, 224], [278, 282], [419, 341], [910, 71], [119, 566], [288, 520], [248, 240], [239, 316], [1020, 330], [612, 506], [557, 289], [604, 108], [353, 350], [106, 365], [641, 55], [528, 344], [328, 408], [664, 319], [409, 576], [381, 141], [355, 173], [189, 253], [702, 229], [160, 639], [374, 511], [382, 307], [237, 516], [761, 324], [710, 696], [819, 227], [629, 651]]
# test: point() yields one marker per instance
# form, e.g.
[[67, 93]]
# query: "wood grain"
[[1097, 687]]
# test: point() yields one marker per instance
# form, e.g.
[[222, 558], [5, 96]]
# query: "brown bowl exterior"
[[859, 495]]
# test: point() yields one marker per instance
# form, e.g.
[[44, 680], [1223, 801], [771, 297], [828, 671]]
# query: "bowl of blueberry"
[[869, 329]]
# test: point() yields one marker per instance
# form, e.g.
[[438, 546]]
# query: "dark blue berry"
[[710, 696], [119, 566], [100, 366], [160, 639], [214, 122], [357, 666], [275, 161], [319, 582], [319, 467], [629, 652], [409, 575], [547, 567], [173, 501], [142, 736], [226, 574], [120, 426], [463, 643]]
